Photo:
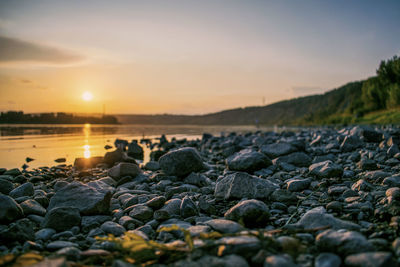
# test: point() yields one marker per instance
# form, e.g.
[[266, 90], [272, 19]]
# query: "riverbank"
[[313, 197]]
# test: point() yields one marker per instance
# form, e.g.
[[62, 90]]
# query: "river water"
[[45, 143]]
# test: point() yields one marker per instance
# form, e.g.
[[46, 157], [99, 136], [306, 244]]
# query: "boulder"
[[242, 185], [135, 150], [181, 162], [124, 169], [326, 169], [23, 190], [252, 213], [248, 161], [9, 209], [62, 218], [87, 199]]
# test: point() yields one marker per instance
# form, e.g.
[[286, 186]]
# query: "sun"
[[87, 96]]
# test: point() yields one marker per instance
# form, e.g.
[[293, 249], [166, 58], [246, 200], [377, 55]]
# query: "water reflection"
[[86, 151], [86, 147]]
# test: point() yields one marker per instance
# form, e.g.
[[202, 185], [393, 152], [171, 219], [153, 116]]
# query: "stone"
[[197, 179], [62, 218], [13, 172], [278, 260], [127, 222], [113, 228], [31, 206], [56, 245], [241, 245], [188, 207], [181, 162], [247, 161], [90, 222], [9, 209], [72, 195], [212, 261], [172, 207], [87, 163], [277, 149], [392, 181], [21, 230], [296, 185], [350, 143], [156, 202], [253, 213], [141, 212], [327, 259], [326, 169], [242, 185], [224, 226], [5, 186], [343, 242], [317, 217], [112, 157], [152, 166], [371, 259], [362, 185], [135, 150], [23, 190], [298, 159], [284, 196], [44, 234], [124, 169]]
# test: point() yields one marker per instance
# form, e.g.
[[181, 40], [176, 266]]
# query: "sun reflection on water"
[[86, 148], [86, 151]]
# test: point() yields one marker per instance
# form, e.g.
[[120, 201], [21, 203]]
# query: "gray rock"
[[362, 185], [317, 217], [224, 226], [44, 234], [241, 245], [90, 222], [13, 172], [392, 181], [181, 162], [113, 228], [156, 202], [72, 195], [212, 261], [328, 260], [253, 213], [62, 218], [9, 209], [284, 196], [343, 242], [188, 207], [298, 159], [277, 149], [326, 169], [127, 222], [371, 259], [278, 261], [124, 169], [21, 230], [23, 190], [31, 206], [135, 150], [56, 245], [5, 186], [297, 185], [242, 185], [351, 143], [248, 161], [197, 179], [172, 207], [110, 158], [152, 166], [141, 212], [70, 253]]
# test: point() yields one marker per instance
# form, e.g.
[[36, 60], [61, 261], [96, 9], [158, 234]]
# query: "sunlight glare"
[[86, 152], [87, 96]]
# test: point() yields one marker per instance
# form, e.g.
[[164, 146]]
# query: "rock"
[[326, 169], [113, 228], [197, 179], [90, 222], [23, 190], [248, 161], [51, 262], [112, 157], [87, 163], [62, 218], [253, 213], [156, 202], [127, 222], [277, 261], [212, 261], [13, 172], [152, 166], [172, 207], [44, 234], [135, 150], [392, 181], [284, 196], [343, 242], [317, 217], [328, 260], [367, 164], [350, 143], [188, 208], [370, 259], [181, 162], [56, 245], [124, 169], [242, 185], [21, 230], [71, 253], [5, 186], [241, 245], [224, 226], [362, 185], [94, 203], [31, 206], [9, 209], [277, 149], [298, 159], [297, 185], [141, 212]]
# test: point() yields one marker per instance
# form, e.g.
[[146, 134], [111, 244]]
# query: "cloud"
[[15, 50]]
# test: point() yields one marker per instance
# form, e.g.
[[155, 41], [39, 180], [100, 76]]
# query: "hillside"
[[351, 103]]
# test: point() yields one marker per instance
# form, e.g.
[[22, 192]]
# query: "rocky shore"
[[315, 197]]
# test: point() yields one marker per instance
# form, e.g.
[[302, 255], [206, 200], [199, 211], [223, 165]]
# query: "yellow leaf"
[[221, 250]]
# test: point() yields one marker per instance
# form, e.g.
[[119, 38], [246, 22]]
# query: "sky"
[[186, 57]]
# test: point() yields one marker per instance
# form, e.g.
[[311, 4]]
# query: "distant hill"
[[18, 117], [350, 103]]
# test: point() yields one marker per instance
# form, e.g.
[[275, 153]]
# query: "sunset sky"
[[186, 57]]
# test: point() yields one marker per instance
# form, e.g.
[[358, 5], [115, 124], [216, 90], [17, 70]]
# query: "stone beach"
[[314, 197]]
